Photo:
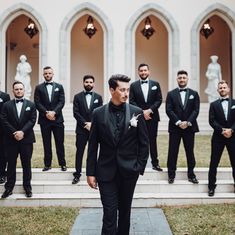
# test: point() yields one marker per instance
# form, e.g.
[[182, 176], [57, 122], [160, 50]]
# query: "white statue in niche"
[[23, 70], [213, 75]]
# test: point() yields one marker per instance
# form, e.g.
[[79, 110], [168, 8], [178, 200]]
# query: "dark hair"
[[182, 72], [17, 82], [88, 77], [115, 78], [47, 67], [142, 65], [222, 82]]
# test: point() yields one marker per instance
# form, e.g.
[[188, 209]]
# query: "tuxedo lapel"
[[44, 87], [108, 123], [229, 108], [139, 89], [15, 110], [177, 94], [53, 92], [84, 102], [127, 118], [220, 109], [22, 110], [186, 99]]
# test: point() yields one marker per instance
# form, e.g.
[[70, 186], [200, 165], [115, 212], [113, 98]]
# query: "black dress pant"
[[25, 151], [58, 133], [116, 197], [173, 151], [81, 141], [217, 147], [3, 160], [152, 127]]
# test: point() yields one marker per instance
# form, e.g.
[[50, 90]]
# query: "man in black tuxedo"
[[4, 97], [147, 95], [222, 120], [83, 105], [182, 108], [18, 119], [49, 99], [119, 133]]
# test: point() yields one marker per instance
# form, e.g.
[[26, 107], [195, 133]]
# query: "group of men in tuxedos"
[[120, 135]]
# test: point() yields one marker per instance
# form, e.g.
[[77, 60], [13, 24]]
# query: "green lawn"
[[202, 152]]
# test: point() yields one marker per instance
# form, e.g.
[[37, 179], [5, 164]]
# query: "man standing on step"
[[83, 105], [147, 95], [222, 120], [49, 99], [18, 119], [119, 134], [182, 108], [4, 97]]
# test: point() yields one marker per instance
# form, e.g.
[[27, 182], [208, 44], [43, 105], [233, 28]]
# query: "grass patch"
[[37, 221], [202, 152], [201, 219]]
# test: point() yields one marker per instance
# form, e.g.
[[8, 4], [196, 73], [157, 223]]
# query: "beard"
[[88, 88]]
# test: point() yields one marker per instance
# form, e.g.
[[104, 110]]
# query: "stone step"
[[93, 200], [143, 186], [56, 174]]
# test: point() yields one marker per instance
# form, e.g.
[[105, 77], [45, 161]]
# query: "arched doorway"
[[86, 56], [218, 43], [19, 43], [153, 51]]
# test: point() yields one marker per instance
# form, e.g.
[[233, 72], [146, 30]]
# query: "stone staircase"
[[70, 122], [54, 188]]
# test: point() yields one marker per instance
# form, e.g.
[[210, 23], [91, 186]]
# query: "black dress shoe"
[[171, 180], [46, 168], [211, 192], [63, 168], [7, 193], [2, 179], [193, 180], [157, 168], [28, 193], [75, 180]]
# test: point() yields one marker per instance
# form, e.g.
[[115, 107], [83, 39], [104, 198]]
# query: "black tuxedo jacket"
[[128, 156], [81, 112], [154, 98], [176, 111], [217, 118], [43, 103], [12, 123], [4, 97]]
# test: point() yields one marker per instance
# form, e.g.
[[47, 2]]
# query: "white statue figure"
[[213, 75], [23, 70]]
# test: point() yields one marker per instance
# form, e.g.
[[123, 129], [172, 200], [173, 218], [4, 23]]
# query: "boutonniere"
[[96, 101], [1, 100], [134, 120], [191, 97], [56, 89], [233, 107], [154, 88], [27, 109]]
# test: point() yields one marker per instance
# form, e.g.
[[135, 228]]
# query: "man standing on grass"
[[49, 99], [119, 133], [222, 120], [182, 108], [18, 119], [4, 97], [83, 105]]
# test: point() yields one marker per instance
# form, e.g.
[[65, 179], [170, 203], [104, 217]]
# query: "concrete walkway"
[[144, 221]]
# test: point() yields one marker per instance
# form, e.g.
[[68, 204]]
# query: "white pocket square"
[[191, 97], [233, 107], [154, 88], [1, 100], [96, 101], [56, 89], [27, 109]]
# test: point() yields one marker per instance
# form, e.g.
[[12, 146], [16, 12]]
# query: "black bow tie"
[[88, 92], [183, 89], [223, 99], [48, 83], [143, 82], [19, 100]]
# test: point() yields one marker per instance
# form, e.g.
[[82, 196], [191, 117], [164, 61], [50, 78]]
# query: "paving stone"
[[144, 221]]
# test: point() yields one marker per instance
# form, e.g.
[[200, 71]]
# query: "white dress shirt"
[[49, 90], [224, 104], [88, 99], [145, 88], [19, 107]]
